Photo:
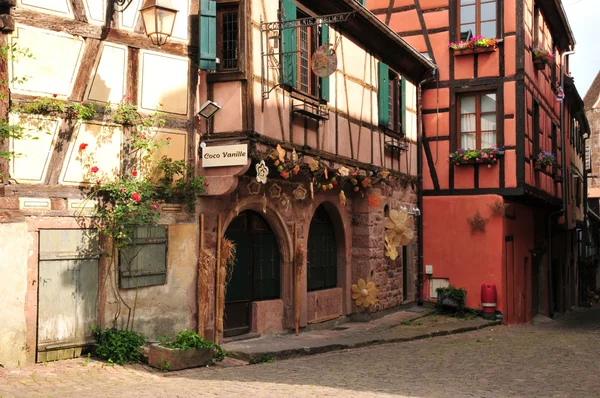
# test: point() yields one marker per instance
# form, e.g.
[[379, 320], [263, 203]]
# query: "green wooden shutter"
[[208, 34], [290, 45], [325, 80], [403, 100], [144, 263], [383, 91], [363, 2]]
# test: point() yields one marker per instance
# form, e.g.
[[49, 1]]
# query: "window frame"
[[478, 20], [478, 132], [313, 40], [395, 103], [223, 8], [239, 73]]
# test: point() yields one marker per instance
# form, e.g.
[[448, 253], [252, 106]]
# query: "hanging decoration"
[[237, 205], [477, 222], [322, 177], [342, 197], [324, 61], [300, 193], [262, 172], [398, 231], [253, 188], [264, 203], [364, 294], [275, 191]]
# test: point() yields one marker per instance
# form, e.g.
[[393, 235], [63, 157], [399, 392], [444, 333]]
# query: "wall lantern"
[[159, 19], [209, 109], [122, 4]]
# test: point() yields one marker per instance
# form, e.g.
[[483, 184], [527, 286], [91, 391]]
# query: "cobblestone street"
[[558, 359]]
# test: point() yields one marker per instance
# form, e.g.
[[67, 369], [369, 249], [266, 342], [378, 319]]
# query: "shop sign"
[[225, 155]]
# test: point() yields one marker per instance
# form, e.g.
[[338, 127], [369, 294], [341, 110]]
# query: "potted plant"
[[452, 297], [543, 160], [476, 44], [187, 350], [488, 156], [541, 58]]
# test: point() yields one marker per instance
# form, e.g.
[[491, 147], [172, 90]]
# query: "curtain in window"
[[468, 123]]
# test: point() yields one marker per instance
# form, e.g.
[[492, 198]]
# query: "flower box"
[[538, 64], [474, 50], [538, 166], [487, 156], [176, 359]]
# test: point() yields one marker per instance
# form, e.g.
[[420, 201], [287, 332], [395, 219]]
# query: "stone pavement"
[[556, 359], [398, 327]]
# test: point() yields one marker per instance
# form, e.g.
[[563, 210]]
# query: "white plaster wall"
[[14, 246]]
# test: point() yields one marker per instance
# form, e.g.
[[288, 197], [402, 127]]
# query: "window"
[[322, 252], [307, 43], [536, 128], [477, 17], [228, 37], [477, 120], [538, 28], [395, 103], [145, 262]]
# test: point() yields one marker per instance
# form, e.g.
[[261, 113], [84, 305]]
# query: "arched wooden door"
[[322, 252], [256, 273]]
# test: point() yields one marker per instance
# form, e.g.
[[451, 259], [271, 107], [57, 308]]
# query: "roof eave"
[[368, 32]]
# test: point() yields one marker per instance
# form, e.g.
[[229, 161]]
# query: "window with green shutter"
[[325, 80], [144, 263], [289, 64], [383, 94], [208, 34]]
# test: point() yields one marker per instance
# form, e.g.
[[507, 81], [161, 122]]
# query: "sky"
[[585, 24]]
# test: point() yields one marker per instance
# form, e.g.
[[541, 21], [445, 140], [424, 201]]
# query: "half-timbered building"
[[303, 163], [490, 119]]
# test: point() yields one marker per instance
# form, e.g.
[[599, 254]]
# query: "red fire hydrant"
[[488, 300]]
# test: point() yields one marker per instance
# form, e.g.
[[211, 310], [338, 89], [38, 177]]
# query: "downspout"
[[420, 182], [564, 166]]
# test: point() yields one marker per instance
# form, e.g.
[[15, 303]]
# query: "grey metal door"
[[68, 292]]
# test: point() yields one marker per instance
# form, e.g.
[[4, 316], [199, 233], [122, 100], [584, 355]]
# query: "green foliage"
[[457, 295], [50, 106], [163, 365], [178, 183], [486, 155], [266, 358], [187, 339], [118, 346], [123, 204]]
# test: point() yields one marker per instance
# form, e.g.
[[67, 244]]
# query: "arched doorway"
[[322, 252], [256, 274]]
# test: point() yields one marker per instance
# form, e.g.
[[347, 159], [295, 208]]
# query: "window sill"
[[473, 161], [226, 76], [302, 96]]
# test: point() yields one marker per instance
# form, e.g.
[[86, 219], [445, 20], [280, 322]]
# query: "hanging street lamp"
[[159, 19]]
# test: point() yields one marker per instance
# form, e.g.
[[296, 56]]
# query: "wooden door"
[[256, 273], [68, 292]]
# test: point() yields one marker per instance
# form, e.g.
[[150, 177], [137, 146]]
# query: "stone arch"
[[284, 239]]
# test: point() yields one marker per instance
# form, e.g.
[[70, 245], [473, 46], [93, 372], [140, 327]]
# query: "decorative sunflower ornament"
[[398, 232], [364, 294]]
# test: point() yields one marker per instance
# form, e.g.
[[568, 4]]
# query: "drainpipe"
[[564, 184], [420, 182]]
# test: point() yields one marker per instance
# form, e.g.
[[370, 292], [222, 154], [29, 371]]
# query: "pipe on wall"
[[420, 182]]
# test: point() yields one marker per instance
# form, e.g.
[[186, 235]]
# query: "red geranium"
[[134, 173], [82, 146], [94, 169], [136, 196]]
